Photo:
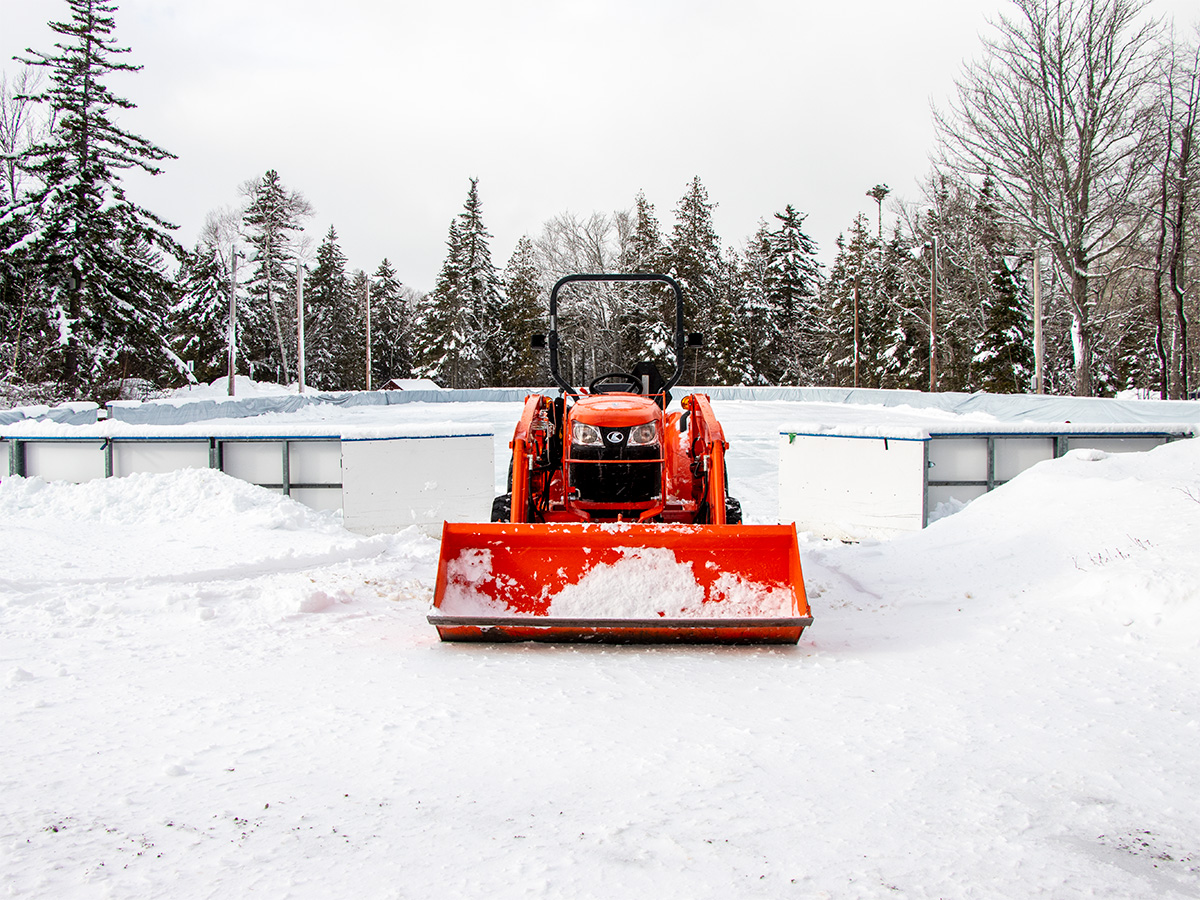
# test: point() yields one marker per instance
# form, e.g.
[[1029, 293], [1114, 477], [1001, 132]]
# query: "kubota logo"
[[615, 437]]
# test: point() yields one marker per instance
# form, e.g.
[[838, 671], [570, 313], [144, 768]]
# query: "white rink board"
[[73, 461], [852, 487], [129, 457], [392, 483]]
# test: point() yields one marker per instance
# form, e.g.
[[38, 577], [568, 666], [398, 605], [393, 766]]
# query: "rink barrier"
[[381, 484], [860, 486]]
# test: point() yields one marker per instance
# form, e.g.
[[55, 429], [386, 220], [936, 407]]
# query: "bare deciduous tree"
[[20, 127], [1055, 112]]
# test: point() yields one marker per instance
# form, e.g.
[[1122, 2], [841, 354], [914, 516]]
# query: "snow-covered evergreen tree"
[[1003, 359], [900, 319], [272, 218], [791, 327], [522, 313], [200, 317], [101, 259], [647, 318], [855, 265], [456, 341], [694, 259], [331, 331], [755, 311], [391, 353]]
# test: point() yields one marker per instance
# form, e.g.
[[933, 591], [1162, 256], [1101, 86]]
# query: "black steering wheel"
[[624, 378]]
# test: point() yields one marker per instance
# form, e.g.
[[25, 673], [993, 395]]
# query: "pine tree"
[[694, 259], [521, 314], [646, 316], [901, 322], [330, 329], [732, 364], [1002, 361], [791, 327], [200, 318], [856, 266], [391, 353], [101, 258], [457, 341], [755, 311], [272, 215]]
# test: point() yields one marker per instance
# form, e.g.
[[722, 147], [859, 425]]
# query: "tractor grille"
[[619, 473]]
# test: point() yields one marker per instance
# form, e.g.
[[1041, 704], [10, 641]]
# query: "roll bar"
[[680, 340]]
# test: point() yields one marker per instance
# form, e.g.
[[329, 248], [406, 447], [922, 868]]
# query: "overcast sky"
[[379, 111]]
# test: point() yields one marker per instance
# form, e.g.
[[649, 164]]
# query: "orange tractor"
[[617, 526]]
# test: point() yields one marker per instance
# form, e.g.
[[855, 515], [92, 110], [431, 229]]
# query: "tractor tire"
[[502, 508], [733, 511]]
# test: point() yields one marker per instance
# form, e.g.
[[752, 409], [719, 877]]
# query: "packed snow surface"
[[211, 691]]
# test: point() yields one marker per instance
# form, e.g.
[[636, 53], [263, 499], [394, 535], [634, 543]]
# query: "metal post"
[[368, 333], [300, 326], [1039, 349]]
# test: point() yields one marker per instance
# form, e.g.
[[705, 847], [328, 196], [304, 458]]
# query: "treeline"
[[1070, 142]]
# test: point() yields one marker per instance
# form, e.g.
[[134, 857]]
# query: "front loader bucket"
[[620, 583]]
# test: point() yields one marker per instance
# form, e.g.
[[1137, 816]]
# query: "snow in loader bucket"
[[620, 583]]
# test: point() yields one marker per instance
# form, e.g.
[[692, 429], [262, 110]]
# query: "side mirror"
[[695, 340], [538, 342]]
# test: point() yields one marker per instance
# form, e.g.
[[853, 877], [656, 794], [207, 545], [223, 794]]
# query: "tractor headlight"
[[584, 435], [643, 435]]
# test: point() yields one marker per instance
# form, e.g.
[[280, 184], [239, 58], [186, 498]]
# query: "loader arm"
[[708, 444]]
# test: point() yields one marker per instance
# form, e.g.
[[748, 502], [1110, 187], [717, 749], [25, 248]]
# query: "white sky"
[[380, 111]]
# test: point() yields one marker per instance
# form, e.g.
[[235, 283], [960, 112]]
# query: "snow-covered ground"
[[209, 690]]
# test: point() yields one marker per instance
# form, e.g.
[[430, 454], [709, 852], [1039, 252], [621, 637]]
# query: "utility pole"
[[300, 325], [233, 254], [856, 329], [933, 317], [1039, 349], [368, 332]]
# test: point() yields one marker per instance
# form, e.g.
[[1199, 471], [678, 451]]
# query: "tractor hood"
[[614, 410]]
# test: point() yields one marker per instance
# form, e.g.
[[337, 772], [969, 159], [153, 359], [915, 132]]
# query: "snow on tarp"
[[232, 429], [999, 407], [183, 408], [79, 413]]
